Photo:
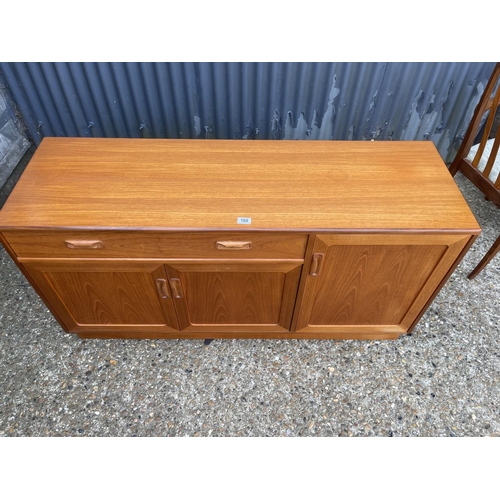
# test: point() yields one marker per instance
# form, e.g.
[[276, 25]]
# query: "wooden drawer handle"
[[76, 244], [233, 245], [175, 285], [161, 286], [316, 265]]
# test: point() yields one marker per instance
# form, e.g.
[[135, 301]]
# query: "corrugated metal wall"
[[13, 143], [356, 101]]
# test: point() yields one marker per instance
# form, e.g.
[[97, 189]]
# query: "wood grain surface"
[[104, 293], [203, 184], [234, 298], [139, 238], [371, 285], [374, 282], [154, 244], [243, 295]]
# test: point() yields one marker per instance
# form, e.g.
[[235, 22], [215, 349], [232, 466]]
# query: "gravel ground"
[[443, 380]]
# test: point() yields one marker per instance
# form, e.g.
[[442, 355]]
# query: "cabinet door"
[[229, 296], [373, 284], [125, 297]]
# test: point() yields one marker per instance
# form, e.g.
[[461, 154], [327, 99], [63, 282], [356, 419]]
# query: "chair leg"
[[454, 168], [489, 255]]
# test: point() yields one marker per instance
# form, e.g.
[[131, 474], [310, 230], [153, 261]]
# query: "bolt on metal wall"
[[325, 101]]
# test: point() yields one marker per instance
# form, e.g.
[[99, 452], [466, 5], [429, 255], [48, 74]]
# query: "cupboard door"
[[103, 296], [244, 296], [374, 283]]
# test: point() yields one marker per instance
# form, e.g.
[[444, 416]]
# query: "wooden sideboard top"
[[208, 184]]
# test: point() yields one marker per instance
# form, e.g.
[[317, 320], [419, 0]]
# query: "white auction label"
[[244, 220]]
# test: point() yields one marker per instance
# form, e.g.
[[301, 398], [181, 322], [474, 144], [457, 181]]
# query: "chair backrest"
[[488, 148]]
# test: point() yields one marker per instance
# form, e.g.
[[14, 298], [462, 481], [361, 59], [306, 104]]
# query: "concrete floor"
[[443, 380]]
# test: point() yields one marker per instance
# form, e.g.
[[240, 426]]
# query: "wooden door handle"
[[75, 244], [175, 285], [233, 245], [161, 286], [316, 265]]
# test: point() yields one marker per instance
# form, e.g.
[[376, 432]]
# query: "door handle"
[[317, 264], [233, 245], [175, 286], [161, 286], [74, 244]]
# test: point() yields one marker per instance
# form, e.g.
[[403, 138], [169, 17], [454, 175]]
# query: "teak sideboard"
[[153, 238]]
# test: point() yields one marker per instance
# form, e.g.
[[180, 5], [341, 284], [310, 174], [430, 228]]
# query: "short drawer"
[[142, 244]]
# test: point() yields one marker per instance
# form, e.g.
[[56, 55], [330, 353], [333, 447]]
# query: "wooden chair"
[[479, 163]]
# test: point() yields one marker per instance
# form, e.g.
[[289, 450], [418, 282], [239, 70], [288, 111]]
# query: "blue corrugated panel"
[[341, 101]]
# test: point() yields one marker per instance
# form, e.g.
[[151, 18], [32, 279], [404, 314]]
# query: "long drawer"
[[156, 244]]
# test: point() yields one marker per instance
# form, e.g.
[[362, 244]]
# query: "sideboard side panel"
[[33, 283]]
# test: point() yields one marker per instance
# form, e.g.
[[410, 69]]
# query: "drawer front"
[[142, 244]]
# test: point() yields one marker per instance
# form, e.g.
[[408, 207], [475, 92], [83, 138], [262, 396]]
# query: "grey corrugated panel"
[[439, 99], [13, 143], [84, 99], [359, 101], [25, 97], [358, 88]]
